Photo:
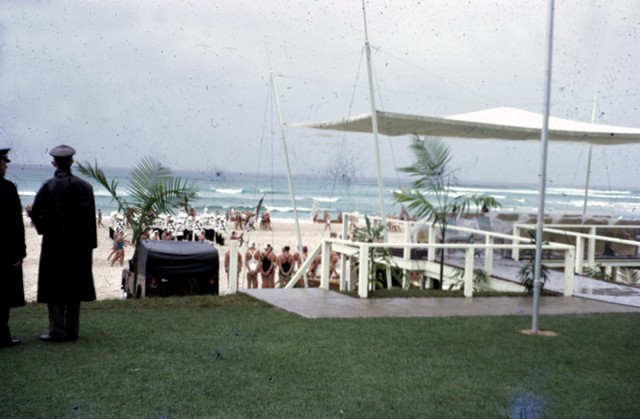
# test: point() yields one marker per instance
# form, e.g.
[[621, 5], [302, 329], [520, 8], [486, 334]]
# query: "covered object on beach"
[[497, 123], [174, 259]]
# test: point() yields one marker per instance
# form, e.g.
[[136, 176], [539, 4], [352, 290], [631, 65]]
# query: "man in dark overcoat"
[[63, 213], [12, 251]]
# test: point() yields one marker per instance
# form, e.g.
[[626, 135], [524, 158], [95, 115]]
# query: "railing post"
[[325, 276], [591, 251], [344, 272], [351, 283], [431, 256], [406, 254], [363, 274], [488, 255], [569, 261], [468, 272], [515, 250], [579, 254]]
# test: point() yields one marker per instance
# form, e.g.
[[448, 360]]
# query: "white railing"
[[591, 238], [349, 249], [514, 242]]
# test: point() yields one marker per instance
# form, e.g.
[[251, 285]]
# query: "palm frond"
[[152, 190], [94, 172], [431, 165]]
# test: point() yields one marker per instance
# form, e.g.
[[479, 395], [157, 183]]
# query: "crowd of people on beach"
[[274, 270], [262, 267]]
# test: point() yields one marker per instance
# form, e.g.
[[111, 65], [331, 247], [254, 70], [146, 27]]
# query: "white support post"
[[591, 250], [432, 239], [569, 261], [232, 288], [579, 257], [468, 272], [351, 283], [363, 274], [406, 255], [488, 255], [345, 263], [515, 250], [325, 276], [344, 272], [345, 226]]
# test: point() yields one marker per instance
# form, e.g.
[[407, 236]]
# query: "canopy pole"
[[586, 186], [543, 171], [286, 158], [376, 142]]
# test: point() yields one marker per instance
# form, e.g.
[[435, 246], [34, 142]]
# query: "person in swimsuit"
[[297, 258], [285, 266], [116, 235], [267, 267], [227, 258], [252, 262], [118, 248], [100, 218]]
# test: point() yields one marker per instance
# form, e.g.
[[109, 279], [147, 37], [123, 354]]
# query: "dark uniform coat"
[[64, 214], [12, 246]]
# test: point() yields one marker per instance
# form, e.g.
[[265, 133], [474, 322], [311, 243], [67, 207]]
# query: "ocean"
[[221, 191]]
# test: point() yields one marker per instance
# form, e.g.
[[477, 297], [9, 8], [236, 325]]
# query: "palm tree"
[[430, 196], [152, 191]]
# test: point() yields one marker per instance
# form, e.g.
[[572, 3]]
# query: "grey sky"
[[188, 82]]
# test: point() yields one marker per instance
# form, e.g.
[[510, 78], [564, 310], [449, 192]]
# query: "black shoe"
[[9, 343], [49, 338]]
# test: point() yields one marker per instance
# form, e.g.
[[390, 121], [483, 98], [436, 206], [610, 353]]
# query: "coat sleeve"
[[41, 211], [12, 246]]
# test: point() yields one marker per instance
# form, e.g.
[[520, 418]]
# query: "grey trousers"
[[64, 319]]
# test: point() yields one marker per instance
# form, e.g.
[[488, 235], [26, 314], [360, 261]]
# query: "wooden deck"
[[506, 269]]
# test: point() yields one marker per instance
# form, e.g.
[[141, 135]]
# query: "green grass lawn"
[[236, 357]]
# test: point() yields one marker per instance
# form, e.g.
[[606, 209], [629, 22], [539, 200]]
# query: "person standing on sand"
[[12, 250], [64, 214], [285, 263], [252, 262], [100, 218], [227, 258], [298, 258], [118, 248], [267, 267]]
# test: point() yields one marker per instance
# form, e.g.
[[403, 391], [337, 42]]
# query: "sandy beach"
[[107, 278]]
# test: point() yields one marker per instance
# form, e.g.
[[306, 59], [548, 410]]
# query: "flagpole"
[[543, 173], [286, 158]]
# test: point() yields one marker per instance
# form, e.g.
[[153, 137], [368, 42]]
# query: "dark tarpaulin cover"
[[171, 259]]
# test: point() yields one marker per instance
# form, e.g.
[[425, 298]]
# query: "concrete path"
[[317, 303]]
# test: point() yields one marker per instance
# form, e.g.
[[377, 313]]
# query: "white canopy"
[[497, 123]]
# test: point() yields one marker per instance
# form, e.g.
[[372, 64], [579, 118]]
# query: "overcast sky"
[[188, 81]]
